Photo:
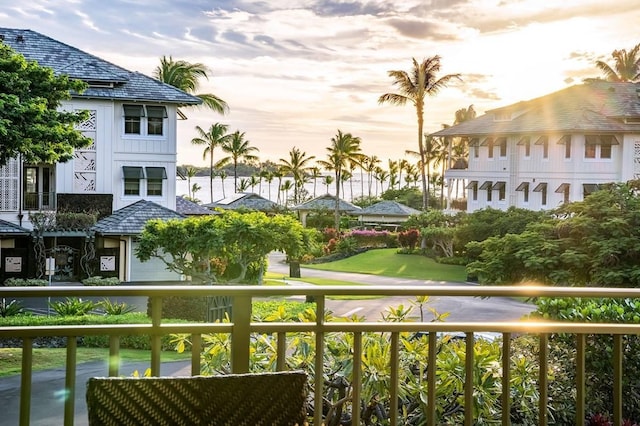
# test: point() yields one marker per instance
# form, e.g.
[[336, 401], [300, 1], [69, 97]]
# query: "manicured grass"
[[45, 358], [277, 279], [387, 262]]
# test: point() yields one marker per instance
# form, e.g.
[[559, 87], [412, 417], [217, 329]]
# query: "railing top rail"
[[266, 291]]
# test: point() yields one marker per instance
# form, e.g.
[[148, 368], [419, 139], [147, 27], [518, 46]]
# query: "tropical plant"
[[115, 308], [413, 86], [214, 137], [190, 174], [626, 65], [298, 165], [238, 148], [101, 281], [72, 307], [185, 76], [344, 148], [11, 308]]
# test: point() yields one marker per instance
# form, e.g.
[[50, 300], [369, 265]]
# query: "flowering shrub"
[[409, 238], [329, 234], [331, 246], [371, 238]]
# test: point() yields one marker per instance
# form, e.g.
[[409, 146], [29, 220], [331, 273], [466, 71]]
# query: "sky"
[[294, 72]]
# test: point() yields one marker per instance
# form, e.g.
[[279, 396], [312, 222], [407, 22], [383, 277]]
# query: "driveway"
[[472, 309]]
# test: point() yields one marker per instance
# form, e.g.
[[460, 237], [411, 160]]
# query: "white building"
[[132, 122], [551, 150]]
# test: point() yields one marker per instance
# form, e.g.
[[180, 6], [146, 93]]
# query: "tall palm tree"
[[344, 148], [223, 176], [238, 149], [402, 165], [285, 187], [626, 66], [315, 174], [429, 152], [190, 173], [243, 185], [413, 87], [371, 165], [211, 139], [268, 177], [327, 181], [185, 76], [298, 165]]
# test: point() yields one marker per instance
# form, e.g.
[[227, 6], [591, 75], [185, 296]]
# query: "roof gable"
[[8, 228], [596, 106], [244, 200], [130, 220], [328, 202], [388, 208], [64, 59]]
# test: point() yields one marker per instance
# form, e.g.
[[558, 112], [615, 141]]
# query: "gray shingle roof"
[[8, 228], [130, 220], [244, 200], [186, 207], [597, 106], [65, 59], [328, 202], [388, 208]]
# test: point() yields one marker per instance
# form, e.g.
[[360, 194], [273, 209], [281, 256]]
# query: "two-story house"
[[133, 124], [540, 153]]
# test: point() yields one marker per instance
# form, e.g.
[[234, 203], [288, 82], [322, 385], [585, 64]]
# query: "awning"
[[524, 186], [501, 141], [486, 141], [156, 112], [589, 188], [540, 187], [486, 185], [472, 185], [601, 140], [133, 172], [542, 140], [563, 187], [474, 142], [525, 140], [156, 173], [498, 186], [564, 139], [133, 110]]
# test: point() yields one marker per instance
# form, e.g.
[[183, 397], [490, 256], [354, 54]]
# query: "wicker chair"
[[264, 399]]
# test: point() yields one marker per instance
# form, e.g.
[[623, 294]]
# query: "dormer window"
[[144, 120]]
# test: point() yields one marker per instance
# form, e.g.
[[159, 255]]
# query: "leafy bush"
[[10, 309], [25, 282], [599, 356], [73, 307], [73, 220], [347, 245], [101, 281], [409, 238]]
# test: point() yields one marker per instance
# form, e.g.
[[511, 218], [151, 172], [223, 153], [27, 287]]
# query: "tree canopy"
[[229, 247], [30, 123], [595, 242]]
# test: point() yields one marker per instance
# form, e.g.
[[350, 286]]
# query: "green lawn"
[[45, 358], [387, 262]]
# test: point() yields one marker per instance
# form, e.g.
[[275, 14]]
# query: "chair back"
[[260, 399]]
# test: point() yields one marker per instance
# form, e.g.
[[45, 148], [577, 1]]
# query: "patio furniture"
[[278, 398]]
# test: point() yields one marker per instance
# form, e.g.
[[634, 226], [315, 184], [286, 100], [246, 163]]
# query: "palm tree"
[[344, 148], [184, 76], [402, 165], [254, 181], [371, 163], [413, 87], [243, 185], [327, 181], [626, 66], [429, 151], [223, 176], [238, 148], [212, 138], [315, 174], [268, 177], [191, 173], [381, 175], [297, 165], [285, 187]]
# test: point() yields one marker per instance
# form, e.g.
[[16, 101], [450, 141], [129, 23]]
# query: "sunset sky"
[[296, 71]]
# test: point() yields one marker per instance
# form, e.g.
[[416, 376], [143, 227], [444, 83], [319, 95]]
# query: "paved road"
[[459, 308], [48, 386]]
